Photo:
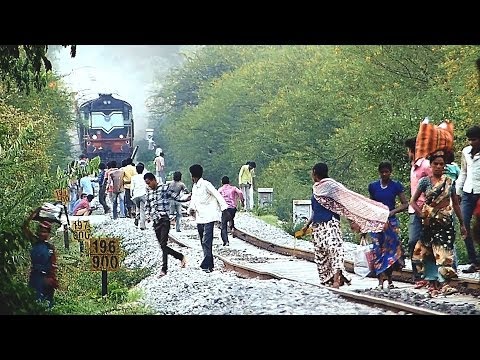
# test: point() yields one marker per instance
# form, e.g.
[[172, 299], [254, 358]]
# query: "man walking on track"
[[157, 208], [231, 194], [245, 182], [206, 204]]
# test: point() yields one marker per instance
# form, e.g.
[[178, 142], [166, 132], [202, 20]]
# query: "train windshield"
[[107, 122]]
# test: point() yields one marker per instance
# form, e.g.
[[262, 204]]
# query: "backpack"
[[116, 177], [41, 256]]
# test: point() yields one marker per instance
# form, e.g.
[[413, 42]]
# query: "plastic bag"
[[363, 258]]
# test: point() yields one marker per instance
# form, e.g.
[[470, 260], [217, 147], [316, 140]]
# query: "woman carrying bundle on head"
[[434, 251], [43, 272]]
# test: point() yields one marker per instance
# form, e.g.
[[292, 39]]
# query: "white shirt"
[[207, 202], [138, 187], [86, 185], [159, 163], [469, 179]]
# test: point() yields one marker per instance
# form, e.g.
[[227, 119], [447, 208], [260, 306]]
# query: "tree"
[[21, 65]]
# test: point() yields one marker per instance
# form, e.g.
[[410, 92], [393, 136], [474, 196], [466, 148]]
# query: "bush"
[[19, 299]]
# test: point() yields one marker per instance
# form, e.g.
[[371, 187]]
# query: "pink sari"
[[370, 215]]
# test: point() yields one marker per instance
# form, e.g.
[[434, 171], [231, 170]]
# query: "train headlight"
[[121, 136], [94, 137]]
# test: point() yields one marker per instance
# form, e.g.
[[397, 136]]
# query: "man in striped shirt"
[[157, 208]]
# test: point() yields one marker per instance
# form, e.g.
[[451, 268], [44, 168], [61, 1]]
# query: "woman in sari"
[[331, 199], [434, 253], [386, 244]]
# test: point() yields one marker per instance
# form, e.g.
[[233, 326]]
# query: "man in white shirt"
[[86, 186], [160, 168], [207, 205], [468, 187], [138, 191]]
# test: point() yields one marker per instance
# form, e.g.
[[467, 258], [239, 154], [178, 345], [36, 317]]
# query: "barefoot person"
[[331, 199], [157, 208], [433, 251]]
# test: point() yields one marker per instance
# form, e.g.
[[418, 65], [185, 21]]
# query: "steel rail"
[[248, 272], [405, 275]]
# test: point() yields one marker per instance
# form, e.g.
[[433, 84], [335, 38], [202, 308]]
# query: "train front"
[[109, 133]]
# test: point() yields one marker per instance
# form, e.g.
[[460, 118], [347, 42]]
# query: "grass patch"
[[80, 291], [269, 219]]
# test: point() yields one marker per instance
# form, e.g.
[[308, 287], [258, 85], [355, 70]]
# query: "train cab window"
[[107, 122]]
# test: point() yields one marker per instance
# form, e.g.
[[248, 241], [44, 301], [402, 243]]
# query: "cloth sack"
[[431, 137], [50, 212]]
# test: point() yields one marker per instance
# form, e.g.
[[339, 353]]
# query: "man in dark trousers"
[[468, 188], [208, 206], [157, 208], [102, 186]]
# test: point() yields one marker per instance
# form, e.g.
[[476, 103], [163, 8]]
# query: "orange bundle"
[[431, 137]]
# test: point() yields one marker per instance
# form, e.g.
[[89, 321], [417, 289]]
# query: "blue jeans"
[[73, 198], [176, 209], [455, 258], [246, 195], [415, 231], [42, 290], [468, 205], [206, 239], [160, 176], [115, 196]]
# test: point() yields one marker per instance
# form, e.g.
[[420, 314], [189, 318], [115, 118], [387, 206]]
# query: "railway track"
[[386, 304], [465, 285], [264, 265]]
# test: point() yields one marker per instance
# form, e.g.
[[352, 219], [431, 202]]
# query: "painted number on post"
[[105, 254], [61, 195], [81, 230]]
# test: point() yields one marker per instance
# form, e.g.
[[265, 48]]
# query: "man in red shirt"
[[231, 194], [83, 207], [419, 168]]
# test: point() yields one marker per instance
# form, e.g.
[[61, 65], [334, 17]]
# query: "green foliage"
[[268, 218], [34, 120], [291, 228], [34, 147], [24, 67], [18, 299], [80, 289], [24, 164], [145, 155], [289, 107]]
